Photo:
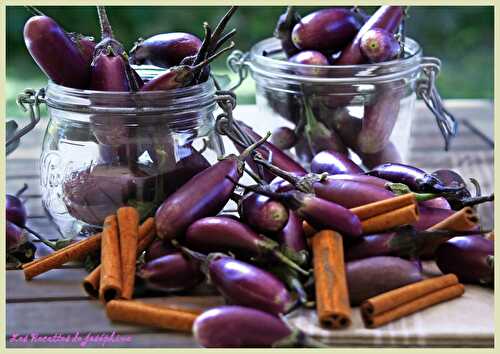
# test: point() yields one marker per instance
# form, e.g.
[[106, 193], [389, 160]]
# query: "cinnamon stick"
[[463, 220], [111, 271], [332, 296], [384, 206], [135, 312], [128, 225], [147, 234], [409, 299], [56, 259], [382, 222], [382, 215]]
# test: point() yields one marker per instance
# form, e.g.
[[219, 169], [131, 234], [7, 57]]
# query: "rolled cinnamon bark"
[[384, 206], [69, 253], [111, 270], [147, 234], [332, 295], [409, 299], [135, 312], [402, 216], [128, 225]]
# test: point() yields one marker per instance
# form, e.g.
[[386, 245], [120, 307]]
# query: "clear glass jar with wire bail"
[[103, 150], [367, 109]]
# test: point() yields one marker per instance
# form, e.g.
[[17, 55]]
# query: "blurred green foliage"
[[462, 37]]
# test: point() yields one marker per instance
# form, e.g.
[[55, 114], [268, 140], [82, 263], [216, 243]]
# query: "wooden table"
[[54, 303]]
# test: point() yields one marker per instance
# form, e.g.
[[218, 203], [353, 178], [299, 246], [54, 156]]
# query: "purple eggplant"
[[379, 45], [361, 178], [439, 203], [292, 236], [334, 163], [429, 216], [380, 116], [203, 195], [110, 70], [370, 246], [308, 57], [262, 213], [415, 178], [283, 30], [19, 250], [470, 258], [284, 138], [15, 235], [327, 29], [15, 211], [237, 326], [158, 249], [56, 53], [386, 17], [85, 44], [165, 49], [376, 275], [244, 284], [172, 272], [268, 150], [303, 150], [181, 75], [319, 213], [319, 136], [389, 154], [222, 234]]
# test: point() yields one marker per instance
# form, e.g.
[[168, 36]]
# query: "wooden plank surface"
[[37, 306]]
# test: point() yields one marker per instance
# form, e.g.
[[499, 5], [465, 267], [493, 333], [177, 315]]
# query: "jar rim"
[[195, 97], [271, 67]]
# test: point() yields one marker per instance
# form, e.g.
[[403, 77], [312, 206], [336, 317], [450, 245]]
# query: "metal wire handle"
[[236, 63], [426, 90], [32, 98]]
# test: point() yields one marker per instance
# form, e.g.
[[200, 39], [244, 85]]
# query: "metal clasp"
[[236, 62], [32, 98], [427, 91]]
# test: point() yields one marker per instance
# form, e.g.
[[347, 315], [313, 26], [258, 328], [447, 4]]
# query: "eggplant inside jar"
[[365, 109], [104, 150]]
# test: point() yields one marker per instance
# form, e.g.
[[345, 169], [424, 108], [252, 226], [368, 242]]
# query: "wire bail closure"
[[427, 91], [32, 98]]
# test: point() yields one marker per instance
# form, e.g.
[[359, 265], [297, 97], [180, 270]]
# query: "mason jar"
[[104, 150], [367, 108]]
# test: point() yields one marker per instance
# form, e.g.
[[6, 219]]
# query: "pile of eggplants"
[[335, 37], [259, 260]]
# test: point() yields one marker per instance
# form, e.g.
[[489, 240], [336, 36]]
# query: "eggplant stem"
[[285, 260], [211, 58], [35, 11], [106, 30], [224, 39], [289, 177], [244, 155], [203, 51], [254, 176], [22, 190], [219, 29], [477, 200], [40, 237]]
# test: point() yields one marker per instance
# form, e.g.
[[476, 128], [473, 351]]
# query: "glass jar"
[[103, 150], [367, 108]]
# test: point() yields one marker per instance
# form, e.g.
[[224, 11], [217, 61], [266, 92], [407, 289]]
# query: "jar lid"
[[267, 60]]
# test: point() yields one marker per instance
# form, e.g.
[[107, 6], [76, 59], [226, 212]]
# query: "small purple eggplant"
[[244, 284], [429, 216], [203, 195], [164, 49], [319, 213], [292, 236], [158, 249], [15, 235], [389, 154], [470, 258], [415, 178], [283, 30], [334, 163], [19, 250], [284, 138], [370, 246], [56, 53], [386, 17], [172, 272], [15, 211], [268, 150], [262, 213], [309, 57], [223, 234], [379, 45], [376, 275], [327, 29], [237, 326]]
